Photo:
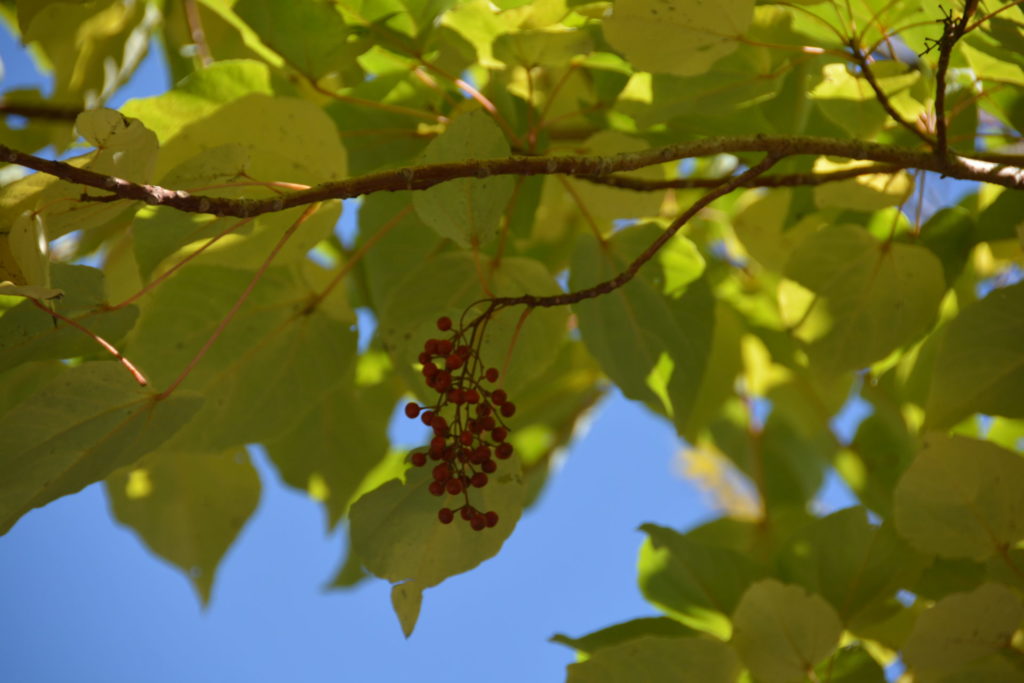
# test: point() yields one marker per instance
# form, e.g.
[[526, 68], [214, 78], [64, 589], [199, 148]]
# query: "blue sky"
[[84, 601]]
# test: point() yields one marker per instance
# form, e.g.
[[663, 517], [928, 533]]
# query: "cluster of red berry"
[[466, 447]]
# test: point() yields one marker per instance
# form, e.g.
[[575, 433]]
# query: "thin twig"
[[50, 112], [952, 31], [883, 99], [626, 275], [195, 30], [135, 373], [778, 180]]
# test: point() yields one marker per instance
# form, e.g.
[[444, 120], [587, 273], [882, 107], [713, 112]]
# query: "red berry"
[[491, 375], [483, 410], [499, 434], [472, 396], [412, 410], [487, 423], [464, 352], [419, 459], [467, 511], [439, 424], [466, 438], [479, 480], [436, 488], [426, 417], [429, 370], [453, 362], [437, 444], [454, 486], [489, 466], [442, 380], [503, 451], [456, 396], [478, 522], [442, 472], [491, 518], [430, 346], [424, 358], [508, 409], [444, 347], [446, 515], [498, 396], [444, 323]]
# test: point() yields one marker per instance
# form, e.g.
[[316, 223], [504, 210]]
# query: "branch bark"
[[999, 170]]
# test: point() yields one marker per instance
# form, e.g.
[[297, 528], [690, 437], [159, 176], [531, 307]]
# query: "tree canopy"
[[719, 208]]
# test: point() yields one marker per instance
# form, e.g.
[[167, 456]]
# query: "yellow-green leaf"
[[683, 37], [866, 298], [187, 507], [78, 428], [961, 497], [467, 210], [979, 367], [781, 632], [654, 659], [961, 630]]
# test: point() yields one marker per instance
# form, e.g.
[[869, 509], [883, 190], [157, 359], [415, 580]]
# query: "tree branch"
[[51, 112], [632, 269], [1005, 171], [778, 180], [883, 99], [951, 33]]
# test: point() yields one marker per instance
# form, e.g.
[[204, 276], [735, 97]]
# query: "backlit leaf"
[[77, 429], [870, 298], [781, 632], [961, 498], [979, 366], [962, 629], [467, 210], [187, 507], [683, 37], [698, 584], [659, 659]]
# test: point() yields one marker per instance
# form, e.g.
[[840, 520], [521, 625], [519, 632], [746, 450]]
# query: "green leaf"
[[961, 498], [406, 599], [272, 364], [626, 631], [396, 533], [125, 147], [656, 659], [187, 507], [652, 336], [867, 298], [24, 260], [26, 333], [698, 584], [683, 37], [979, 367], [851, 664], [467, 210], [310, 34], [850, 562], [451, 282], [869, 192], [78, 428], [92, 47], [781, 632], [962, 629], [605, 203], [336, 443], [849, 101], [536, 48]]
